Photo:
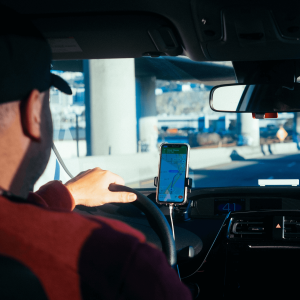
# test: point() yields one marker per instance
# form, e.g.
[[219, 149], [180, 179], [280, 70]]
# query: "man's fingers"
[[124, 197]]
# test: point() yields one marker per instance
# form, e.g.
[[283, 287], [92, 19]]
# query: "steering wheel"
[[156, 219]]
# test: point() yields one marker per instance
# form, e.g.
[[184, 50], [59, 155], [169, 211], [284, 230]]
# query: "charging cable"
[[204, 260], [171, 217], [171, 207]]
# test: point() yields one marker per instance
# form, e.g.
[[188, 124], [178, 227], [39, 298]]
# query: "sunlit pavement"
[[243, 172]]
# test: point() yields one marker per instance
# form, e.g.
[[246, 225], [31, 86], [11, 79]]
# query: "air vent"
[[247, 228], [291, 227]]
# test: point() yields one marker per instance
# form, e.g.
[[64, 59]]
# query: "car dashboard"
[[258, 246], [254, 251]]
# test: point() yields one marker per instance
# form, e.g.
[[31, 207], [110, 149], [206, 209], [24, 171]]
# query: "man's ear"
[[31, 109]]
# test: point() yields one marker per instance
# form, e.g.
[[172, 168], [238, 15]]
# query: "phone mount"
[[181, 212], [188, 183]]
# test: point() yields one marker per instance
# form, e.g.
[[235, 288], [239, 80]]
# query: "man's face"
[[46, 130], [46, 123]]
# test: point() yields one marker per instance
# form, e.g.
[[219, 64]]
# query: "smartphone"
[[172, 173]]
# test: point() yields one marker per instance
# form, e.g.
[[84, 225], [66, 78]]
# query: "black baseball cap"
[[25, 59]]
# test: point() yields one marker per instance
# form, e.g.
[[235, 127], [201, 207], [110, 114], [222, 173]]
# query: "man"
[[72, 255]]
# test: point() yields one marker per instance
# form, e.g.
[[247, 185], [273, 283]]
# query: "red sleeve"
[[114, 265], [151, 277], [53, 195]]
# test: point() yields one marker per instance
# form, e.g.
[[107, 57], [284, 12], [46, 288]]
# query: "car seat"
[[18, 282]]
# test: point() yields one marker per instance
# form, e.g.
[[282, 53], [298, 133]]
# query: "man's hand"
[[90, 188]]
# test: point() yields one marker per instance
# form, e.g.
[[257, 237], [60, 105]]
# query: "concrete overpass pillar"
[[111, 106], [146, 112], [248, 128]]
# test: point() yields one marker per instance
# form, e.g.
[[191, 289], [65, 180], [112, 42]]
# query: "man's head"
[[25, 117]]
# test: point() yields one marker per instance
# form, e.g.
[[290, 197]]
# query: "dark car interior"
[[252, 253]]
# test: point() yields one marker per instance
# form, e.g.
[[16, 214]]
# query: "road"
[[244, 172]]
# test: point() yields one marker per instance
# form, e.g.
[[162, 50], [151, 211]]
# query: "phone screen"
[[173, 167]]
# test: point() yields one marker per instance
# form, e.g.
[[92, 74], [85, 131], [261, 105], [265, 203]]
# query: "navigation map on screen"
[[172, 174]]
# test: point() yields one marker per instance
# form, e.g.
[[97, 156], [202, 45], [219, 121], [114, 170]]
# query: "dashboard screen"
[[223, 206], [172, 173]]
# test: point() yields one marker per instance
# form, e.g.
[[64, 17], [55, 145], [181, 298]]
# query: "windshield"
[[121, 110]]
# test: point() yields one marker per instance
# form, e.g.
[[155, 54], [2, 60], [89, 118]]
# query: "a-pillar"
[[110, 106], [297, 123], [248, 129], [146, 112], [296, 128]]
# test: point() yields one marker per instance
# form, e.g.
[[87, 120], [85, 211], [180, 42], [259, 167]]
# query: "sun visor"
[[184, 69]]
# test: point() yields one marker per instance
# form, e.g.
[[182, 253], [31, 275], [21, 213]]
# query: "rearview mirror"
[[256, 98]]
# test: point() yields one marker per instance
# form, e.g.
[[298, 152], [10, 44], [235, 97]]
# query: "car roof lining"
[[177, 12], [207, 30]]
